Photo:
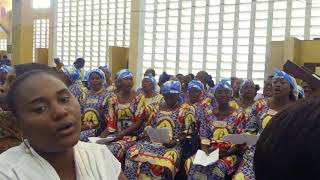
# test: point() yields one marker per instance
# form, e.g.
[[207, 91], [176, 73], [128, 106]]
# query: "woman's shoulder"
[[106, 164], [11, 159]]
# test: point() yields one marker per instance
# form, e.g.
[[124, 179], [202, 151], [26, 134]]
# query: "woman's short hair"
[[288, 147]]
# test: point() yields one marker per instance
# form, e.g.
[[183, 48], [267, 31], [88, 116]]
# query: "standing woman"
[[126, 115], [71, 77], [49, 119], [284, 92], [235, 84], [107, 74], [221, 121], [92, 106], [146, 160]]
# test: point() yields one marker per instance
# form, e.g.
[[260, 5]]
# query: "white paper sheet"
[[99, 140], [158, 135], [203, 159], [241, 139]]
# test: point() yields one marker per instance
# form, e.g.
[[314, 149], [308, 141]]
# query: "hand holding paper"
[[158, 135], [99, 140], [203, 159]]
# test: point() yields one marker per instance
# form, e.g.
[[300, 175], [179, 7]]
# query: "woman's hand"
[[170, 144], [105, 133]]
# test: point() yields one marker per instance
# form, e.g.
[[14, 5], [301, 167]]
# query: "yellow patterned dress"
[[146, 160], [120, 116], [259, 117], [212, 130]]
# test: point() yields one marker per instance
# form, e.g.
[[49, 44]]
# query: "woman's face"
[[223, 95], [194, 95], [49, 116], [267, 90], [95, 82], [171, 98], [126, 84], [236, 85], [147, 85], [280, 87], [248, 91]]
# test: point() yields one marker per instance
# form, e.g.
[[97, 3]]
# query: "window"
[[315, 19], [3, 44], [224, 37], [41, 4], [40, 34], [86, 28]]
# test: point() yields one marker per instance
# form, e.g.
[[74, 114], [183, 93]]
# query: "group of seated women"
[[56, 109]]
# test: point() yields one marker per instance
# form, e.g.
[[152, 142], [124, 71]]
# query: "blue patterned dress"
[[212, 129], [259, 117], [78, 90], [93, 107], [146, 160]]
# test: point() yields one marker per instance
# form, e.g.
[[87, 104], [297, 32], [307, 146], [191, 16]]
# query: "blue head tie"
[[99, 72], [196, 84], [223, 84], [124, 73], [5, 68], [244, 83], [152, 79], [171, 87], [291, 80], [72, 73]]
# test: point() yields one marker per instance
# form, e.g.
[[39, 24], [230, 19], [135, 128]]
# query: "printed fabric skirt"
[[245, 171], [216, 171], [84, 135], [119, 148], [145, 160]]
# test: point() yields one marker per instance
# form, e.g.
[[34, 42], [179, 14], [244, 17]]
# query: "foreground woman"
[[221, 121], [146, 160], [284, 93], [126, 115], [93, 106], [49, 118]]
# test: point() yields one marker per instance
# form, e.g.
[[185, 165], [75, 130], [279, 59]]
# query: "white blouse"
[[93, 162]]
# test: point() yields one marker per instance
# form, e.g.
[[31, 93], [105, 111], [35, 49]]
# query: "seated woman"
[[217, 123], [247, 94], [150, 161], [49, 119], [153, 99], [93, 106], [126, 115], [284, 89], [195, 98], [71, 77]]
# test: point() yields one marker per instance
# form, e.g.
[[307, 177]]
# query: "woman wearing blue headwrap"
[[126, 115], [71, 77], [93, 105], [149, 160], [153, 98], [247, 94], [4, 70], [283, 94], [220, 121], [107, 74]]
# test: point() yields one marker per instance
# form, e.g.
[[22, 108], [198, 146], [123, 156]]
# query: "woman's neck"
[[280, 102], [246, 102], [223, 107], [148, 94]]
